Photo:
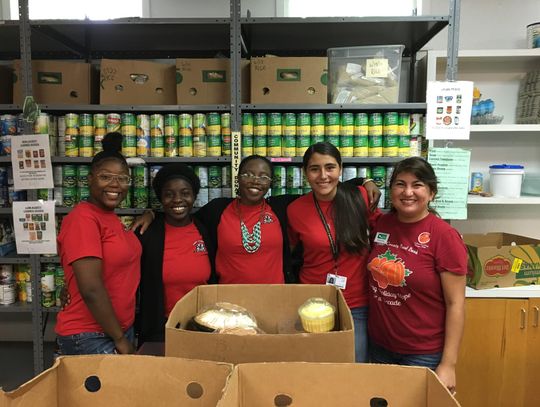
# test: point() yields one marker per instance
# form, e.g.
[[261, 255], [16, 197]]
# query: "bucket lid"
[[507, 167]]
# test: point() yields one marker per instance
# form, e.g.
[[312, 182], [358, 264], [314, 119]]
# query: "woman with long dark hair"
[[331, 224]]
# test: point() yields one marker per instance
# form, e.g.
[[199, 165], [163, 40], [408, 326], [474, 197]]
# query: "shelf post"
[[453, 40]]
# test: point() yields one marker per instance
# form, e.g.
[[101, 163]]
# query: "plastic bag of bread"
[[223, 315]]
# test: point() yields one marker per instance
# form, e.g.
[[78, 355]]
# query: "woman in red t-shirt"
[[101, 263], [417, 269], [331, 224]]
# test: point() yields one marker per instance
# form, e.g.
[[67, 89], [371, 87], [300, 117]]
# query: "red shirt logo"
[[424, 237]]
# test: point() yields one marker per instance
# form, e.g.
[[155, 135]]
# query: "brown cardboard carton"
[[276, 309], [6, 85], [502, 260], [289, 80], [62, 82], [122, 380], [208, 81], [331, 384], [128, 82]]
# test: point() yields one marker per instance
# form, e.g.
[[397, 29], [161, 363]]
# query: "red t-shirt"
[[234, 265], [89, 231], [185, 263], [407, 312], [305, 225]]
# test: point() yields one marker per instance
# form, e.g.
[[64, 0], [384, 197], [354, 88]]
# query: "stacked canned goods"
[[355, 134], [24, 283], [8, 286], [48, 287], [9, 126], [8, 193]]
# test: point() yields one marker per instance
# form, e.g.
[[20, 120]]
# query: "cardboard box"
[[128, 82], [276, 309], [502, 260], [62, 82], [289, 80], [329, 384], [122, 380], [6, 85], [208, 81]]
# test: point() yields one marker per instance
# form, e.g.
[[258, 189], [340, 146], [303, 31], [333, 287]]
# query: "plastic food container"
[[505, 180], [364, 75], [317, 315], [531, 184]]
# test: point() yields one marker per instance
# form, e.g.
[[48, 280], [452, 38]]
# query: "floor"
[[17, 365]]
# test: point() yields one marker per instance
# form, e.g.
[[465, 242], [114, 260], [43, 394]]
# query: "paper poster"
[[451, 166], [35, 227], [31, 160], [448, 115]]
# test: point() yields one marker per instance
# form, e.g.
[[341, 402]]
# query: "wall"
[[208, 8]]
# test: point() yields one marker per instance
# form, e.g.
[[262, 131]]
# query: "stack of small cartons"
[[528, 108]]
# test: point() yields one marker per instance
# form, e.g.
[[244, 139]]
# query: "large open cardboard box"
[[276, 309], [332, 384], [62, 82], [122, 380], [289, 80], [128, 82], [502, 260]]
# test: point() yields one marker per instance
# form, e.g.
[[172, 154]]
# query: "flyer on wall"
[[31, 161], [35, 227], [448, 115]]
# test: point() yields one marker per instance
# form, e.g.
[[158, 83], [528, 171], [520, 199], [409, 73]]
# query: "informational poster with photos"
[[35, 227], [31, 160], [448, 115]]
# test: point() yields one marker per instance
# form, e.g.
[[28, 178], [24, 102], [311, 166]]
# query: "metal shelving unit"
[[17, 307], [234, 37]]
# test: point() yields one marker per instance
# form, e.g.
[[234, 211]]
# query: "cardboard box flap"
[[329, 384], [122, 380], [497, 239]]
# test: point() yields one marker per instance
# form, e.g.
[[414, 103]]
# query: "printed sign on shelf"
[[31, 161], [448, 115], [35, 227]]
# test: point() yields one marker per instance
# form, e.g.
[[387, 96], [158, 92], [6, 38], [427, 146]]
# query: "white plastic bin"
[[505, 180]]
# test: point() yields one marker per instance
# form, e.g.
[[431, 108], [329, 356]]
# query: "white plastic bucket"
[[505, 180]]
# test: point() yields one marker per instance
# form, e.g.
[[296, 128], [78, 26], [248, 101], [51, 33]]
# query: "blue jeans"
[[360, 315], [88, 343], [379, 354]]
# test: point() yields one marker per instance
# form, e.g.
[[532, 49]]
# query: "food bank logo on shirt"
[[423, 239], [387, 269], [268, 218], [199, 247]]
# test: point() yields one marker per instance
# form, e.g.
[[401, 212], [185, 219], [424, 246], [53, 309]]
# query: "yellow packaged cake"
[[317, 315]]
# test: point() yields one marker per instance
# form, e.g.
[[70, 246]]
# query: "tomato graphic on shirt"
[[387, 269]]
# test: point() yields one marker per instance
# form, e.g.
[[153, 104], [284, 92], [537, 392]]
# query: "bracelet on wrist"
[[366, 181]]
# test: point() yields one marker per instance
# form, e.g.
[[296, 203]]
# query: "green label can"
[[214, 145], [83, 193], [157, 125], [331, 128], [346, 124], [279, 177], [214, 177], [41, 125], [247, 145], [294, 177], [404, 123], [390, 124], [390, 145], [140, 176], [82, 175], [259, 145], [274, 145], [199, 121], [247, 124], [86, 124], [71, 120], [199, 142], [114, 122], [126, 203], [289, 146], [45, 194], [289, 124], [99, 133], [295, 191], [303, 124], [361, 124], [226, 134], [360, 145], [171, 146], [157, 146], [415, 124], [71, 143], [100, 121], [86, 145], [129, 145], [404, 146], [378, 173], [185, 145], [226, 180], [129, 124], [143, 135], [202, 172], [332, 140], [375, 124], [69, 175], [140, 197], [277, 191], [185, 121], [171, 135], [213, 124], [317, 127], [69, 196], [375, 148], [274, 124]]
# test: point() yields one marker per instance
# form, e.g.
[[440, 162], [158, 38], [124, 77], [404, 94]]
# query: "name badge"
[[382, 237], [336, 280]]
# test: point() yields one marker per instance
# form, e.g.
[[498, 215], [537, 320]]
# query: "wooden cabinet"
[[499, 360]]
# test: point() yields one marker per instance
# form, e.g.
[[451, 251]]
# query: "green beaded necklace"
[[251, 241]]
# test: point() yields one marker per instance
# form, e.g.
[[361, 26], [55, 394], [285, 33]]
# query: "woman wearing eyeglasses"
[[101, 263]]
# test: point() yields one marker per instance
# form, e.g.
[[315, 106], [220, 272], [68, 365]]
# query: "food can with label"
[[140, 176], [275, 127], [390, 123], [57, 175], [69, 175], [247, 134], [303, 133], [415, 124], [331, 129], [226, 180], [140, 197], [202, 198], [6, 274], [390, 145], [317, 127], [378, 173], [58, 283], [143, 135], [294, 177], [477, 182], [214, 176], [346, 133], [226, 134], [279, 177], [45, 194], [47, 277], [8, 125], [213, 124], [83, 193], [202, 172], [114, 122], [375, 124], [127, 201], [260, 130], [363, 172], [360, 135], [349, 172], [69, 196], [99, 134], [86, 145], [8, 293], [82, 175], [71, 143], [404, 145], [388, 176], [86, 124], [289, 135], [185, 135], [41, 125], [171, 135]]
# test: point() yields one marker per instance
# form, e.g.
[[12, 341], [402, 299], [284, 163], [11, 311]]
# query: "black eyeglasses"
[[263, 179]]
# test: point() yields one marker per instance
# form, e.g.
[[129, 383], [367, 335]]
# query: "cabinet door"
[[532, 390], [490, 347]]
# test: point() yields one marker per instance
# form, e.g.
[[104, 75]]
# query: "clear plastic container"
[[364, 75], [317, 315]]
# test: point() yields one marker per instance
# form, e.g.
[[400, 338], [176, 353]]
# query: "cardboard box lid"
[[137, 82], [122, 380], [332, 384], [497, 239]]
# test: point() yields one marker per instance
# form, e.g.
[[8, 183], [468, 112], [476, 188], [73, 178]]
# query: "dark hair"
[[252, 157], [421, 169], [112, 147], [175, 171], [349, 211]]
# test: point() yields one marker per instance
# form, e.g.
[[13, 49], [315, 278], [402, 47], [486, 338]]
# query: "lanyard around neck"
[[334, 249]]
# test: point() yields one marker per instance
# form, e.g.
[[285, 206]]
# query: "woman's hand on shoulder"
[[144, 221]]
